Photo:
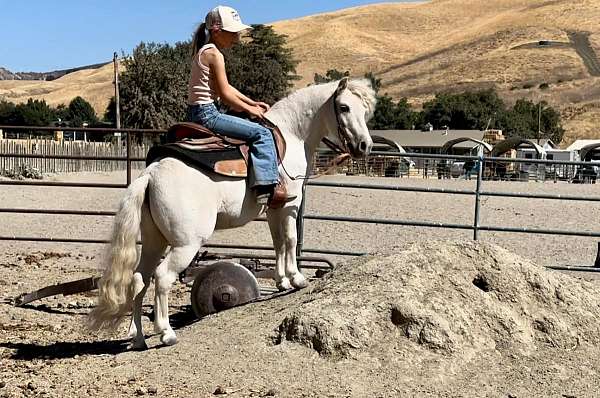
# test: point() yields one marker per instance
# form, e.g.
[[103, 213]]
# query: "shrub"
[[22, 172]]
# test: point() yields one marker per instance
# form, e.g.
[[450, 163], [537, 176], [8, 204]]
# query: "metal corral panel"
[[429, 139]]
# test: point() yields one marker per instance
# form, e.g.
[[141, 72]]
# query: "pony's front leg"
[[275, 218], [282, 223], [291, 242]]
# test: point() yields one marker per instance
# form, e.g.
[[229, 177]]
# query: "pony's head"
[[353, 104]]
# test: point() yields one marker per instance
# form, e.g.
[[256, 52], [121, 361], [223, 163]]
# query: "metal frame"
[[476, 226]]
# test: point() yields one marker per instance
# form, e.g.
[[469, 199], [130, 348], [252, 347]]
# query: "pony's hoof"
[[139, 346], [299, 281], [169, 339], [284, 285]]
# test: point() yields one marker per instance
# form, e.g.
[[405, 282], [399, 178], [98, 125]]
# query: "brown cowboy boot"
[[273, 196], [280, 196]]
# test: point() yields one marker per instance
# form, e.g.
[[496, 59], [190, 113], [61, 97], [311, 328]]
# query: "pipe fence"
[[481, 164]]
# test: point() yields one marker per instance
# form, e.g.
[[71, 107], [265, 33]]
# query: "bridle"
[[341, 130], [342, 153]]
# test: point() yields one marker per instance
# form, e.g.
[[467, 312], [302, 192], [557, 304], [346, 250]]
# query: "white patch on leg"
[[168, 337], [132, 330], [299, 281], [284, 284]]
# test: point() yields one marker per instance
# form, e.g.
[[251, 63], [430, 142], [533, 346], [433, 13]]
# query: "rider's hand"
[[264, 106], [256, 112]]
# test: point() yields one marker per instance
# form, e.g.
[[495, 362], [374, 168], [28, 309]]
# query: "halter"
[[341, 130], [342, 154]]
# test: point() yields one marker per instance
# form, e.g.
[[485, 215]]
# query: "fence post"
[[477, 193], [300, 224], [128, 158]]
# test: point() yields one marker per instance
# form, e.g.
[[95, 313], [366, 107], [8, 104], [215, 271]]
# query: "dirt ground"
[[429, 313]]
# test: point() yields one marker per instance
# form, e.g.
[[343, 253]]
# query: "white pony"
[[177, 206]]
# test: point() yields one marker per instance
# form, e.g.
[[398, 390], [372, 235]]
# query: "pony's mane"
[[360, 87], [363, 89], [291, 110]]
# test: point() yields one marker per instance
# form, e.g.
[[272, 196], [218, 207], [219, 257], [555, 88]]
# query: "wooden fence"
[[68, 148]]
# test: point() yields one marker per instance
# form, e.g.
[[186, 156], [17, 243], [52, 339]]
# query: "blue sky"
[[41, 36]]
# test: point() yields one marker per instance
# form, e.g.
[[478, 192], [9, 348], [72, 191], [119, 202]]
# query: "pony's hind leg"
[[153, 247], [177, 260]]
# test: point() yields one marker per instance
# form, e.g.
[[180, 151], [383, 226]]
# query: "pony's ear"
[[342, 85]]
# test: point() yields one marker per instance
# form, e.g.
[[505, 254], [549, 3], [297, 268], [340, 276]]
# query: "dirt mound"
[[453, 299]]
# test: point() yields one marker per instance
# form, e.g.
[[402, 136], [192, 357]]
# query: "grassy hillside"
[[424, 48], [94, 85], [453, 45]]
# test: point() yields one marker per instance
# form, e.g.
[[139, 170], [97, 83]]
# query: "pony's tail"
[[115, 295]]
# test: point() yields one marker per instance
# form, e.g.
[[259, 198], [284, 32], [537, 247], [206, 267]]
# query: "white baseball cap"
[[225, 18]]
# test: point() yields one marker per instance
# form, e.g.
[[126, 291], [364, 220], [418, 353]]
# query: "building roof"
[[545, 143], [590, 150], [452, 143], [514, 143], [429, 139], [578, 144]]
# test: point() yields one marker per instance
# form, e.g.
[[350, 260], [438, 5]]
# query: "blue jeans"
[[262, 147]]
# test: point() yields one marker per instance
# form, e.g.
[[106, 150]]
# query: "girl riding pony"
[[208, 82]]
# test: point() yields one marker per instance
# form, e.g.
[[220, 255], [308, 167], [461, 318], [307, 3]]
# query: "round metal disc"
[[222, 285]]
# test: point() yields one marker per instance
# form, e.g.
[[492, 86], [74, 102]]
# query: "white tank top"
[[200, 87]]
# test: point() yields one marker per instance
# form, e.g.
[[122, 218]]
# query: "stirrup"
[[280, 197], [273, 197]]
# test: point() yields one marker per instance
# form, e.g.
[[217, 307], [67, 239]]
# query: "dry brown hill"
[[94, 85], [419, 49]]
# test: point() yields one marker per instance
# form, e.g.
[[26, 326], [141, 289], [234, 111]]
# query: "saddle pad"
[[230, 161], [197, 135], [201, 148]]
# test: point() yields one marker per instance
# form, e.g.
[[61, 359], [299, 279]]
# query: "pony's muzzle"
[[363, 148]]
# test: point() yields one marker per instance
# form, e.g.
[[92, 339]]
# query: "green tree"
[[62, 113], [7, 113], [392, 116], [551, 127], [331, 75], [154, 83], [110, 114], [529, 120], [80, 111], [375, 82], [468, 110], [263, 68], [34, 113]]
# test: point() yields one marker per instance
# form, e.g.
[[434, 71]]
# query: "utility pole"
[[117, 107], [539, 121]]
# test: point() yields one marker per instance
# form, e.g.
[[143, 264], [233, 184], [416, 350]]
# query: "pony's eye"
[[344, 108]]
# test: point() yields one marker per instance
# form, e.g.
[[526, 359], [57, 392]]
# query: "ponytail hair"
[[213, 22], [201, 37]]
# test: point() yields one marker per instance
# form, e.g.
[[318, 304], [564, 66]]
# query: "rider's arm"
[[243, 97], [228, 94], [264, 106]]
